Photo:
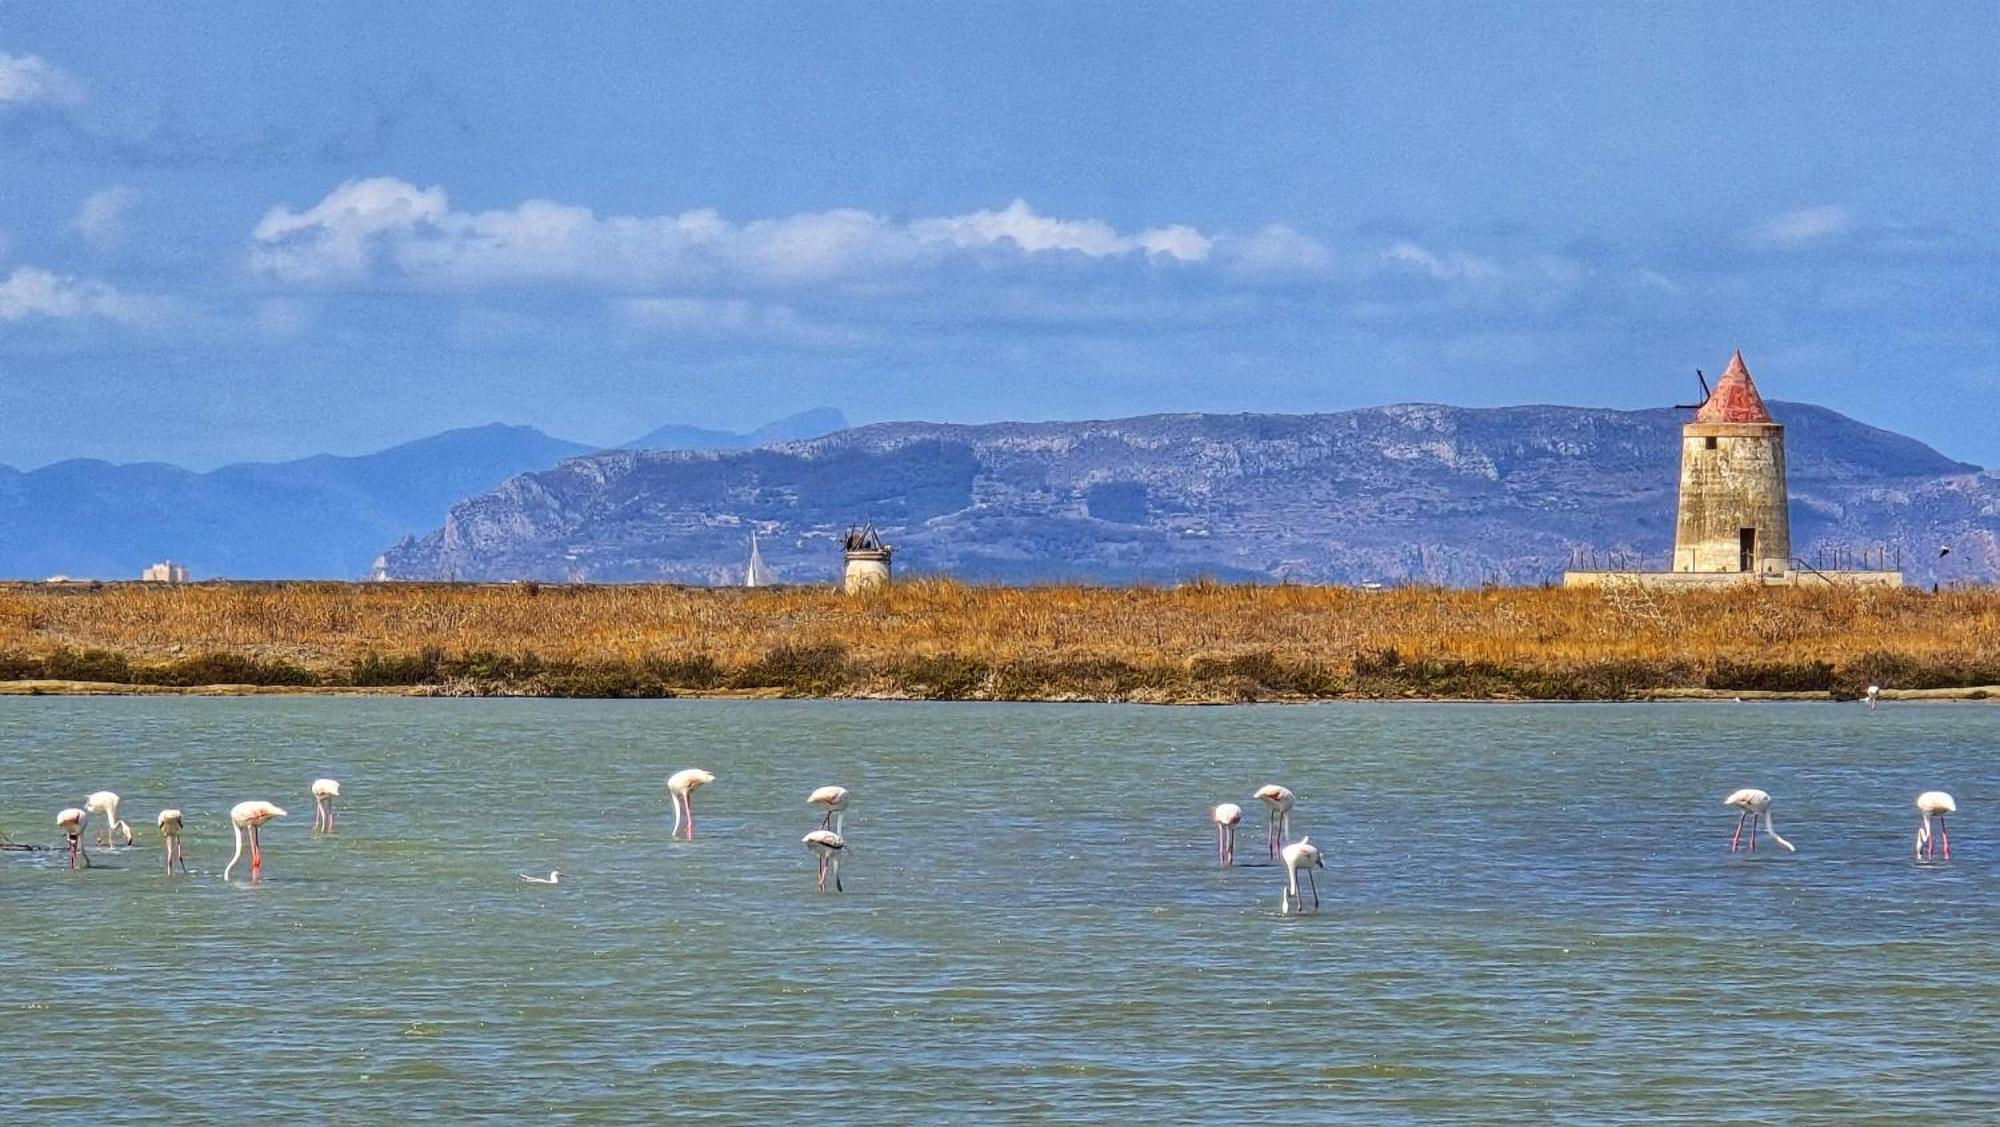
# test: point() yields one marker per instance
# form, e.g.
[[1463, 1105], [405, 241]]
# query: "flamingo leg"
[[1736, 839], [835, 866], [256, 854], [1313, 883], [1944, 837], [690, 806]]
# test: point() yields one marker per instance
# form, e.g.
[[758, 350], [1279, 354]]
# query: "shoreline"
[[1970, 694]]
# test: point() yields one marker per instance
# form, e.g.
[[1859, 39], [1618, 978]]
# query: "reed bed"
[[937, 638]]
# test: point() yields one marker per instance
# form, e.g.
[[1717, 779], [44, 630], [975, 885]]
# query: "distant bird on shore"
[[833, 802], [248, 816], [170, 829], [1944, 550], [70, 820], [1278, 802], [1226, 815], [106, 803], [1755, 806], [1301, 854], [1934, 803], [827, 845], [681, 786], [1874, 695], [554, 877], [324, 791]]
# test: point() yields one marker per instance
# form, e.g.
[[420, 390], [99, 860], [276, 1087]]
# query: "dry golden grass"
[[1684, 638]]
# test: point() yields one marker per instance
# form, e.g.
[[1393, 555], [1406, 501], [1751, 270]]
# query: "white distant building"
[[378, 572], [166, 571]]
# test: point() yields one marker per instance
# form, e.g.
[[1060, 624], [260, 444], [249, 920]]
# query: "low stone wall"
[[1709, 580]]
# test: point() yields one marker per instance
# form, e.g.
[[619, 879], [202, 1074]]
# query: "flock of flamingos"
[[826, 842]]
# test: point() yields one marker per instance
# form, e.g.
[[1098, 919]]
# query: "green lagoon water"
[[1530, 913]]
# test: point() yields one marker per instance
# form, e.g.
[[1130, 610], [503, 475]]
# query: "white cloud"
[[31, 292], [31, 79], [1455, 266], [1797, 228], [104, 217], [730, 317], [369, 230]]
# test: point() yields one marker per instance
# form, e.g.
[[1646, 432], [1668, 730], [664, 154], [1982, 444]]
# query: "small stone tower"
[[867, 561], [1734, 514]]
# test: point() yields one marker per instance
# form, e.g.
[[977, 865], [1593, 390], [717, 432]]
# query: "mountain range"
[[325, 516], [1412, 492]]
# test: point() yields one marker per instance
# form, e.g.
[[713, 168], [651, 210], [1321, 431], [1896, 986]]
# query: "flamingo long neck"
[[236, 856], [1773, 831]]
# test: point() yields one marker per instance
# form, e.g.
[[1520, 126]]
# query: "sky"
[[250, 231]]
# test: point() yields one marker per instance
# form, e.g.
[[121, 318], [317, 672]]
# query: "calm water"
[[1530, 912]]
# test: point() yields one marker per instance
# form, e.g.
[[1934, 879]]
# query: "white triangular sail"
[[757, 575]]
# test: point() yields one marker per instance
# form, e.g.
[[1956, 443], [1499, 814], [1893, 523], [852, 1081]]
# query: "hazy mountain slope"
[[321, 516], [1455, 495], [792, 428]]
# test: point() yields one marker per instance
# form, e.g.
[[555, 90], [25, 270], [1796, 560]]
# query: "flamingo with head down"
[[1278, 803], [681, 785], [1226, 815], [1756, 807], [247, 817], [170, 829], [70, 820]]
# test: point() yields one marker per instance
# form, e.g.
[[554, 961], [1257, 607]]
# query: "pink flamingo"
[[1278, 801], [827, 846], [681, 785], [249, 816], [1301, 854], [833, 801], [1934, 803], [1756, 807], [324, 791], [71, 820], [1226, 815], [170, 829]]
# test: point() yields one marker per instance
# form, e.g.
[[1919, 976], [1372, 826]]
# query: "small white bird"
[[833, 802], [106, 803], [324, 791], [1301, 854], [554, 877], [681, 786], [1934, 803], [827, 845], [170, 828], [246, 817], [1225, 816], [1874, 696], [71, 821], [1755, 806], [1278, 802]]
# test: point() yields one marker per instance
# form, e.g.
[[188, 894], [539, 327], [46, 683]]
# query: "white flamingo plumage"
[[554, 877], [171, 823], [70, 820], [832, 802], [1874, 695], [681, 785], [827, 845], [1934, 804], [247, 817], [1226, 815], [106, 803], [1278, 802], [1301, 854], [1756, 807], [324, 791]]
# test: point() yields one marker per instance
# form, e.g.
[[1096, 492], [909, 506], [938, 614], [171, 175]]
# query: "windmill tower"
[[1734, 514], [867, 561]]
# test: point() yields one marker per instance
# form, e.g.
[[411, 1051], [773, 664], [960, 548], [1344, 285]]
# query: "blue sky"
[[250, 231]]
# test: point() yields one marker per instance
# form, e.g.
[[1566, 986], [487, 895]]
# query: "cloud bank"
[[388, 230], [27, 80], [30, 293]]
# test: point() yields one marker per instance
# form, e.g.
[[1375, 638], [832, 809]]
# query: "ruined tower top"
[[1735, 398]]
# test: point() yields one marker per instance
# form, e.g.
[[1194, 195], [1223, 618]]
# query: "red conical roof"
[[1735, 398]]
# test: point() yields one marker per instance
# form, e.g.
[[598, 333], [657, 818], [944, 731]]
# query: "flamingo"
[[1755, 805], [1226, 815], [1278, 800], [249, 816], [681, 785], [827, 845], [832, 800], [1301, 854], [324, 791], [1874, 696], [1934, 802], [170, 829], [106, 803], [71, 820], [554, 877]]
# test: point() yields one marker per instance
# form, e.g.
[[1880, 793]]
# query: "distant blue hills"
[[324, 516]]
